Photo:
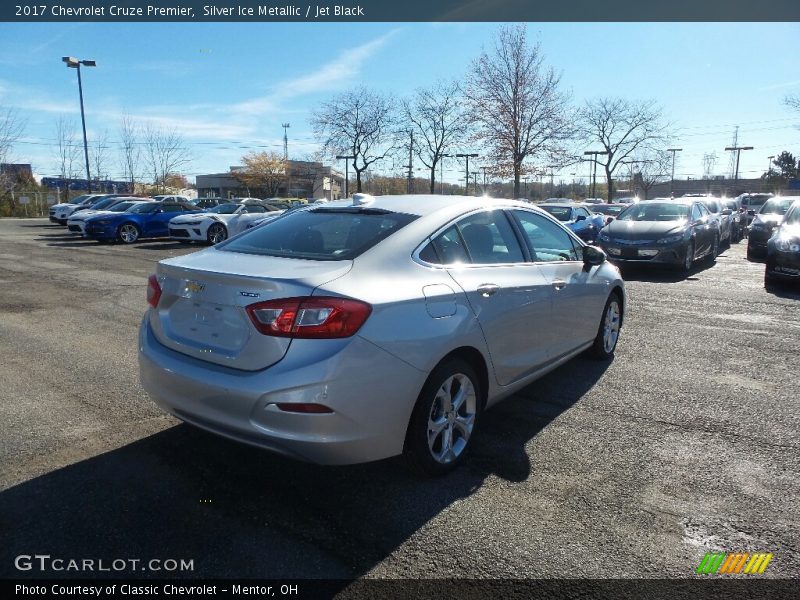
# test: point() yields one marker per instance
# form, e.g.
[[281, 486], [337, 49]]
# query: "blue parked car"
[[148, 220], [580, 219]]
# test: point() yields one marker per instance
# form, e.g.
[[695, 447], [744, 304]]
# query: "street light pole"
[[346, 171], [466, 181], [74, 63], [672, 179], [769, 164]]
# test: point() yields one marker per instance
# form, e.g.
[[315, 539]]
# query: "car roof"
[[686, 201], [424, 204], [561, 204]]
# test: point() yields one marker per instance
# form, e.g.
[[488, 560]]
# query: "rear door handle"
[[488, 289], [559, 284]]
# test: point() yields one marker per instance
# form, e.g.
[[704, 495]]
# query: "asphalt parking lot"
[[686, 443]]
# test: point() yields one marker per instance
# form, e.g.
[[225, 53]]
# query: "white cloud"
[[332, 75]]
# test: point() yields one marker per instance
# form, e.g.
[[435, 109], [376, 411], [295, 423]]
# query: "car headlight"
[[670, 239], [785, 244]]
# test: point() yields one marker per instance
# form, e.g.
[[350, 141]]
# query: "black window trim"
[[515, 227]]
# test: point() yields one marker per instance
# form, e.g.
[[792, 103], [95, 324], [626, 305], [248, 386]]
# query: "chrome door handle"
[[559, 284], [488, 289]]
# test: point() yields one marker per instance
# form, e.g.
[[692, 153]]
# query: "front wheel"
[[444, 419], [712, 257], [605, 342], [217, 233], [128, 233], [688, 260]]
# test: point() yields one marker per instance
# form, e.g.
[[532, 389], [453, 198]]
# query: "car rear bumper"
[[371, 392]]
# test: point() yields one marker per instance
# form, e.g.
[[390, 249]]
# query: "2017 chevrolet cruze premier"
[[370, 327]]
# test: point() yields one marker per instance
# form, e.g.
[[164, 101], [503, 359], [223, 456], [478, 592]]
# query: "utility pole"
[[285, 141], [410, 165], [594, 154], [738, 150], [466, 172], [475, 181], [346, 171], [672, 178], [769, 164], [441, 172], [484, 178]]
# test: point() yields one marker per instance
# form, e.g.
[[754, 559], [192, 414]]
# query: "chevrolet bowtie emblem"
[[194, 287]]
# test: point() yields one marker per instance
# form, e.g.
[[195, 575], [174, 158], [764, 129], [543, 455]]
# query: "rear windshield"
[[320, 234], [103, 203], [776, 206], [661, 211], [562, 213], [793, 218], [755, 200], [225, 209], [607, 209], [145, 207]]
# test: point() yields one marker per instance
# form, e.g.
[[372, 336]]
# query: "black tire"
[[752, 255], [217, 232], [714, 252], [128, 233], [688, 262], [418, 452], [600, 349]]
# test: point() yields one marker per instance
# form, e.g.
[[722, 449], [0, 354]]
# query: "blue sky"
[[228, 87]]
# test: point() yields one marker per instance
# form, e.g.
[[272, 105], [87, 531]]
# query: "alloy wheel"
[[217, 234], [452, 418], [611, 326], [129, 233]]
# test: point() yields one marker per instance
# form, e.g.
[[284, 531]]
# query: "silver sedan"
[[366, 328]]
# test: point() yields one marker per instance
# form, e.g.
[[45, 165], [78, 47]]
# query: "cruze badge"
[[250, 294]]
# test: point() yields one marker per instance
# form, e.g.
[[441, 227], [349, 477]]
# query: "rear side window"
[[320, 234]]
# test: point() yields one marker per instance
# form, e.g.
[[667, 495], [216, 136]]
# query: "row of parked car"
[[127, 219]]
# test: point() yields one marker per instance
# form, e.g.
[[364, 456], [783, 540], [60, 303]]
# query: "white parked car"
[[77, 222], [59, 213], [216, 224]]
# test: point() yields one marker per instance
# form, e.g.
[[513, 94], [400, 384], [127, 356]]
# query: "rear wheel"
[[712, 256], [444, 419], [217, 233], [128, 233]]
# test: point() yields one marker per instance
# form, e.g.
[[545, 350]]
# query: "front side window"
[[547, 241]]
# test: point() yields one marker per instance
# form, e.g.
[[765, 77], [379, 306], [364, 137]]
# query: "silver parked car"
[[365, 328]]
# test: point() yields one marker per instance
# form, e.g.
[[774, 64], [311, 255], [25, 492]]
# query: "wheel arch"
[[474, 358]]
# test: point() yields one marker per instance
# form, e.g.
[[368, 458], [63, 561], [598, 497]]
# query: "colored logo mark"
[[727, 563]]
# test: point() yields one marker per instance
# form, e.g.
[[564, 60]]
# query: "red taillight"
[[308, 408], [320, 317], [153, 291]]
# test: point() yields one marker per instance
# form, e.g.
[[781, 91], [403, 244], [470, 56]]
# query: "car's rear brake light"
[[319, 317], [153, 291], [304, 407]]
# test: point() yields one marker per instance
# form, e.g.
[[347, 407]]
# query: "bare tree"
[[622, 128], [99, 156], [358, 123], [516, 104], [130, 150], [67, 149], [654, 168], [793, 102], [263, 171], [165, 153], [438, 121], [11, 129]]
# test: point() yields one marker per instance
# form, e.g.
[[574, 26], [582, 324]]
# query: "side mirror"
[[580, 218], [727, 212], [593, 256]]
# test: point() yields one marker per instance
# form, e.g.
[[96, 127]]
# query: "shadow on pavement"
[[662, 273], [242, 512], [162, 245]]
